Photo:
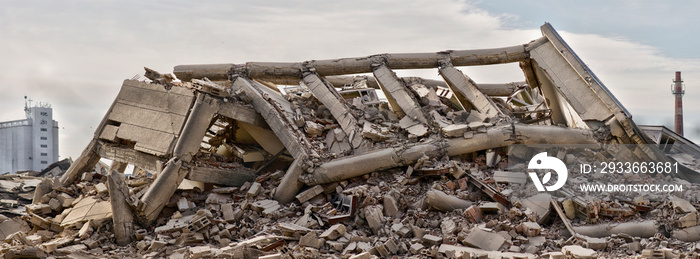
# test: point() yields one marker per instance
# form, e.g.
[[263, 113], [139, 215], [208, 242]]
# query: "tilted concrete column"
[[400, 98], [162, 189], [158, 194], [327, 95], [290, 185], [293, 140], [122, 216], [85, 162], [467, 92], [204, 109]]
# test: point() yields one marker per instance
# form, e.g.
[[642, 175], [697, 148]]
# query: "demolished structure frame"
[[160, 126]]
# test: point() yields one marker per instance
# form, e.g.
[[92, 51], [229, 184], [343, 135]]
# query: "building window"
[[44, 113], [44, 138], [44, 162], [43, 129], [44, 154], [44, 146]]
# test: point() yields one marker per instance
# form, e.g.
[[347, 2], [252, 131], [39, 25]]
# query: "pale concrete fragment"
[[484, 240], [374, 217], [578, 252], [689, 220], [310, 240], [391, 207], [431, 240], [254, 190], [310, 193], [510, 177], [89, 208], [682, 205], [334, 232], [442, 201], [455, 130]]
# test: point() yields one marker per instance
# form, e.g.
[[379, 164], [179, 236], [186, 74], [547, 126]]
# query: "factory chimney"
[[678, 89]]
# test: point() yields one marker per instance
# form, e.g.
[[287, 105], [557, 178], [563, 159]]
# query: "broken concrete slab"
[[88, 208], [484, 240], [578, 252]]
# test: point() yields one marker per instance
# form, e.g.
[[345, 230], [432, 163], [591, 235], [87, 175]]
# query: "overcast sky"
[[75, 54]]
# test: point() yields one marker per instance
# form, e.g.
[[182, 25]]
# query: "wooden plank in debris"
[[222, 176], [402, 101], [467, 92], [326, 94], [277, 112]]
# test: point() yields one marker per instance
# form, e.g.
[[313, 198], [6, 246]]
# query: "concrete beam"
[[498, 136], [84, 163], [291, 73]]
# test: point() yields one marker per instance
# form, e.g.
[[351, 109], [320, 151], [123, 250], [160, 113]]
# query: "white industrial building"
[[31, 143]]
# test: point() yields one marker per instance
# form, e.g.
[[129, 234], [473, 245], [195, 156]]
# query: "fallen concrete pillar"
[[162, 189], [691, 234], [636, 229], [122, 216], [290, 184], [400, 98], [498, 136], [467, 93], [291, 73], [444, 202], [85, 162]]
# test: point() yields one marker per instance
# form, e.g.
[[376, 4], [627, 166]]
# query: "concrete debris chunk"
[[375, 218], [254, 190], [311, 240], [310, 193], [334, 232], [484, 240], [578, 252]]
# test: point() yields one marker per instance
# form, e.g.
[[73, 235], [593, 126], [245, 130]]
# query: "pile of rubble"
[[228, 165]]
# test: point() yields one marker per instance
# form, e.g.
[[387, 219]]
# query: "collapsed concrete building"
[[229, 125]]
